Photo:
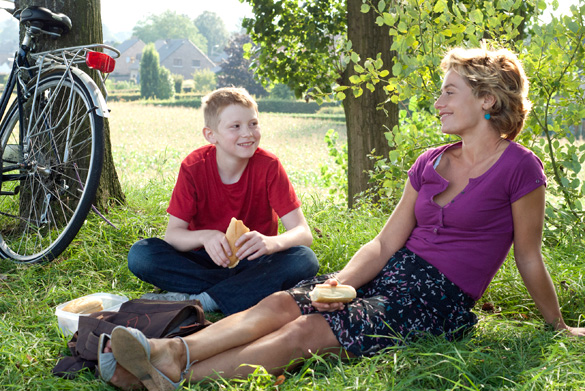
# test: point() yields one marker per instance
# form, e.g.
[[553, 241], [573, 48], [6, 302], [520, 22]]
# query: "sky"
[[121, 15]]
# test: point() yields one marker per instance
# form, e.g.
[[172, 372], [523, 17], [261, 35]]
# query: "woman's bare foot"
[[168, 356], [125, 380], [122, 378]]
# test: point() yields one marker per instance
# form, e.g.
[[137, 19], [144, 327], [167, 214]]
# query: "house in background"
[[182, 57], [128, 64]]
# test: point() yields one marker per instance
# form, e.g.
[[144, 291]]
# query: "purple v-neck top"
[[468, 238]]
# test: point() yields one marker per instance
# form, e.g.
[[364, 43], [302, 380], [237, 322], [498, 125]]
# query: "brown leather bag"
[[156, 319]]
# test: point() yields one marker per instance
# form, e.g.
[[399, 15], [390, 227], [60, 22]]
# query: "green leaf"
[[573, 26], [355, 79], [340, 96], [397, 69], [476, 16], [402, 28], [517, 20], [457, 28], [381, 6], [357, 91], [365, 8], [369, 66], [389, 19], [506, 5], [440, 6]]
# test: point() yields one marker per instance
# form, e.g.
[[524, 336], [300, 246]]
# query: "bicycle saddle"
[[44, 19]]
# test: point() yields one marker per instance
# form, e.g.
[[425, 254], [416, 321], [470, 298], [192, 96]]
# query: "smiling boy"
[[229, 177]]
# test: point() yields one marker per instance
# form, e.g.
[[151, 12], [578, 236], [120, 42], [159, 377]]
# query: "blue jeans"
[[157, 262]]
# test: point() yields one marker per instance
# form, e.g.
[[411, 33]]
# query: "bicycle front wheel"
[[50, 168]]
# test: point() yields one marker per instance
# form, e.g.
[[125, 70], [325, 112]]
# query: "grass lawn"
[[510, 348]]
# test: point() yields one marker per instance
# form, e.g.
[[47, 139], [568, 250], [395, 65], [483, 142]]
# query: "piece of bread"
[[325, 293], [233, 233], [85, 305]]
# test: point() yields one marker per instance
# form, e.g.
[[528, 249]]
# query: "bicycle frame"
[[19, 61], [51, 139], [66, 59]]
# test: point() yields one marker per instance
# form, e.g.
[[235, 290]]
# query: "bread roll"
[[325, 293], [233, 233], [85, 305]]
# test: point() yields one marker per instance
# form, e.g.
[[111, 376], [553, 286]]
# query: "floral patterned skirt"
[[408, 298]]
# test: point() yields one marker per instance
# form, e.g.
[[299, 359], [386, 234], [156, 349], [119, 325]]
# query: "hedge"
[[264, 105]]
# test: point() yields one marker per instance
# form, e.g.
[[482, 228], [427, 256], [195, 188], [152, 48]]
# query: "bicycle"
[[51, 140]]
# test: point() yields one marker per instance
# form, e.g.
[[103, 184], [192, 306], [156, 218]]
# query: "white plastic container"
[[68, 321]]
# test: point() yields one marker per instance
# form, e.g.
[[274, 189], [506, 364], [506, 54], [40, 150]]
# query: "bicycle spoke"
[[50, 200]]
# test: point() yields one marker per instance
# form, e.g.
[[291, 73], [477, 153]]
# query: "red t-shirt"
[[262, 195]]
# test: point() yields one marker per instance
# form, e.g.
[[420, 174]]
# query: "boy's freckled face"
[[238, 131]]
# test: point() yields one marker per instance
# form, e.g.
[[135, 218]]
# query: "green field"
[[149, 143], [511, 349]]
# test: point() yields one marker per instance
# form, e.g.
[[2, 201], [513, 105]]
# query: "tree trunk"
[[366, 124], [87, 29]]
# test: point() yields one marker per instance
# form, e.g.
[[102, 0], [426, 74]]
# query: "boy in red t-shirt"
[[230, 177]]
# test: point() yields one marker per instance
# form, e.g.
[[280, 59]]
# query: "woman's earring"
[[487, 116]]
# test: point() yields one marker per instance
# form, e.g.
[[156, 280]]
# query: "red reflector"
[[100, 61]]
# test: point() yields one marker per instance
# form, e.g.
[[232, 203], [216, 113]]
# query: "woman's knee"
[[309, 334], [281, 304]]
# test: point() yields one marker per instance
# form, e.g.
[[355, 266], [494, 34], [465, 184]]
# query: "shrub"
[[165, 87], [123, 96], [281, 91], [188, 85], [264, 105], [178, 80], [121, 85], [287, 106], [331, 110], [204, 81], [149, 71]]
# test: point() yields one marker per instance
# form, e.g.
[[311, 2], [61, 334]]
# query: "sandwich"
[[325, 293], [84, 305], [233, 233]]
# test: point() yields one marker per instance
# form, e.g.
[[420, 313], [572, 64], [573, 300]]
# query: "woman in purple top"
[[463, 206]]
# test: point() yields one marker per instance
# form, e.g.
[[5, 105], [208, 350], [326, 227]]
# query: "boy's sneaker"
[[169, 296]]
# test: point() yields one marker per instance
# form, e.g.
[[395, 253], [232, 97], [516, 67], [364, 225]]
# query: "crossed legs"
[[272, 334]]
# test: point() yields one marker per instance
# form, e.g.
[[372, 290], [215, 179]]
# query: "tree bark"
[[87, 29], [366, 125]]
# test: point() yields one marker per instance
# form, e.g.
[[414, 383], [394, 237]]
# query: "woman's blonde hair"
[[214, 103], [498, 73]]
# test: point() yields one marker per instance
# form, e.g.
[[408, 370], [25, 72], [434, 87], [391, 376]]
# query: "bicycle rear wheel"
[[51, 172]]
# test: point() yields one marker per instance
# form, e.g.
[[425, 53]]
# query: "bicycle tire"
[[45, 203]]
